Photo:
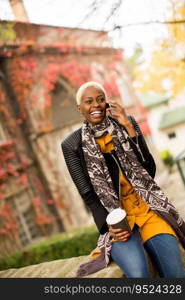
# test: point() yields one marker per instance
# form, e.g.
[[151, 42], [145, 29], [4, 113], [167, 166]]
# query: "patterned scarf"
[[142, 182]]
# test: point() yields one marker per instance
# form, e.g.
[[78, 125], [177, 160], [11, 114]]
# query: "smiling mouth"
[[97, 114]]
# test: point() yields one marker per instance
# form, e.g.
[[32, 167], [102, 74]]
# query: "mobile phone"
[[108, 106]]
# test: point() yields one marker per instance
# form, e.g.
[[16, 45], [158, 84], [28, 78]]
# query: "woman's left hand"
[[118, 112], [118, 235]]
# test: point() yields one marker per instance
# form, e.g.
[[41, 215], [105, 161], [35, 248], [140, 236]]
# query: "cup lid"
[[115, 216]]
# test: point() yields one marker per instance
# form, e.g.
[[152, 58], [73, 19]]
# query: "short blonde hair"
[[83, 87]]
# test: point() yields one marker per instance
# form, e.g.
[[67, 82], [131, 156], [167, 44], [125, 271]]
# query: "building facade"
[[41, 69]]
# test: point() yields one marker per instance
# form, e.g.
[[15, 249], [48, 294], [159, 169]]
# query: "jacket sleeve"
[[149, 163], [84, 186]]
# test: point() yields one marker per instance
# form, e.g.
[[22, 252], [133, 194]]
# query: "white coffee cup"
[[117, 219]]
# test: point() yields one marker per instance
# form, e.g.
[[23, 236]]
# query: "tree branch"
[[149, 23]]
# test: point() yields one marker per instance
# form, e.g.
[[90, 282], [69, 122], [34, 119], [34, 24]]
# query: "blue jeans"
[[163, 249]]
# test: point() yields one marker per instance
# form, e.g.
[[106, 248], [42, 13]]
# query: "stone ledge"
[[62, 268], [66, 268]]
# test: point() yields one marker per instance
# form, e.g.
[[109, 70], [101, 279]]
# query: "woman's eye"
[[102, 99], [88, 101]]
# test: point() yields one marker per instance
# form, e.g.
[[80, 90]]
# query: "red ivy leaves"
[[9, 155], [44, 219], [23, 179], [37, 204], [111, 87], [22, 78], [6, 154], [8, 221], [50, 202], [75, 72]]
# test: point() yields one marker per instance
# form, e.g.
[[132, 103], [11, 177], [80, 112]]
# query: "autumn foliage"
[[165, 71], [28, 65]]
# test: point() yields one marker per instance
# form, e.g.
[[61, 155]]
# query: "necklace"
[[137, 146]]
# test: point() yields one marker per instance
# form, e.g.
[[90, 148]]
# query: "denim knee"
[[130, 256], [164, 251]]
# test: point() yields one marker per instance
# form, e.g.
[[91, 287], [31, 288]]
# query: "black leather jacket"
[[74, 158]]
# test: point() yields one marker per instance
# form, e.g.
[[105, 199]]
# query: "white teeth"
[[96, 112]]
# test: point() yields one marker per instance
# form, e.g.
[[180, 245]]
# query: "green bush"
[[58, 247], [167, 158]]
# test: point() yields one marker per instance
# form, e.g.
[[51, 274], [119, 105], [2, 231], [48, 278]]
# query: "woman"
[[112, 167]]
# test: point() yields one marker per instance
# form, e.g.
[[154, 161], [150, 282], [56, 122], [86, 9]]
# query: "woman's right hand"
[[119, 235]]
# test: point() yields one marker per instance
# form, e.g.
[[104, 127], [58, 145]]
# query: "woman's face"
[[93, 105]]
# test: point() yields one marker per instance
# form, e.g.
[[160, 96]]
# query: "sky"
[[70, 13]]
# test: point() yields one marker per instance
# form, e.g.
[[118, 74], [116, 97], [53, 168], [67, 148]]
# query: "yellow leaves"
[[167, 62], [162, 66], [7, 33], [177, 31], [152, 82], [178, 78]]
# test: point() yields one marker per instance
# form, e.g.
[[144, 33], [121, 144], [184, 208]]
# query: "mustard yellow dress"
[[138, 211]]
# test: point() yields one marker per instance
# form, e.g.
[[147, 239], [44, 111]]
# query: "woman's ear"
[[78, 108]]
